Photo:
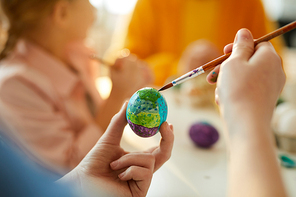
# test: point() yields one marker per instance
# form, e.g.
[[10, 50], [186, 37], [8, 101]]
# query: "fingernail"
[[114, 164], [214, 77], [124, 104], [121, 175], [242, 34], [171, 127]]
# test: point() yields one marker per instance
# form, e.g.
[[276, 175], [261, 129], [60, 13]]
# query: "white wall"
[[281, 9]]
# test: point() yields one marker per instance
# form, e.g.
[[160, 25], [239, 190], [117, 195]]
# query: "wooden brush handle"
[[267, 37]]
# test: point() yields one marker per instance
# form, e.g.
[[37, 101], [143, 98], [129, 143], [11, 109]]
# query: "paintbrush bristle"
[[167, 86]]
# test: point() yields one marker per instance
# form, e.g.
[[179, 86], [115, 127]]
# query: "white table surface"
[[192, 171]]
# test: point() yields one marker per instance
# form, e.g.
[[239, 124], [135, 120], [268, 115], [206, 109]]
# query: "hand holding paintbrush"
[[200, 70], [121, 54], [249, 84]]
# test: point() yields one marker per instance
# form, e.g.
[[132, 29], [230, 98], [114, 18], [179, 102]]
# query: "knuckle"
[[278, 59], [283, 79], [115, 118], [167, 156], [147, 174], [131, 169], [150, 160], [244, 47], [150, 157], [232, 61], [273, 57]]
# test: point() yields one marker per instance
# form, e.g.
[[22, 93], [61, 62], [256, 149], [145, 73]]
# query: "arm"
[[248, 86], [33, 111], [253, 168], [22, 177]]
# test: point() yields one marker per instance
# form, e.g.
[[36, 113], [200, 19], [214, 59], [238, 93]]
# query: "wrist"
[[249, 133], [247, 112], [71, 178], [246, 120]]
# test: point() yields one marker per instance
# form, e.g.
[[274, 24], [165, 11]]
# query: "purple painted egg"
[[203, 134]]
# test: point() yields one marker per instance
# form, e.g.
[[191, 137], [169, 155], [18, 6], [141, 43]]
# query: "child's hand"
[[197, 54], [130, 74], [121, 173]]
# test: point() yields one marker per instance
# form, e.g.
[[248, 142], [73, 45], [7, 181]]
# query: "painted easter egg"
[[146, 111], [203, 134]]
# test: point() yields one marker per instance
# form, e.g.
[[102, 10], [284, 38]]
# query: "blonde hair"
[[23, 15]]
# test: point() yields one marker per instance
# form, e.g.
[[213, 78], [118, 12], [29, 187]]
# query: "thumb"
[[243, 46], [114, 131]]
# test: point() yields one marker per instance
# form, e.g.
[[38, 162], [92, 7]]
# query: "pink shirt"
[[45, 102]]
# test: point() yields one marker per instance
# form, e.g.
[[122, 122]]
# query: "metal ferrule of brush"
[[189, 75]]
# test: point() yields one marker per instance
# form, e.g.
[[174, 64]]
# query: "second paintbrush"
[[210, 65]]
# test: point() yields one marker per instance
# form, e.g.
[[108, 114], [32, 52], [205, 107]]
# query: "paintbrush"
[[96, 57], [210, 65], [120, 54]]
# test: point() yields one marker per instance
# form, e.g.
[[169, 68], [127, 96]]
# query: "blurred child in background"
[[47, 87]]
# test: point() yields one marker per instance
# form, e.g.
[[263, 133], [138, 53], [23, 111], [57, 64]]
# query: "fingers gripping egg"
[[146, 111]]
